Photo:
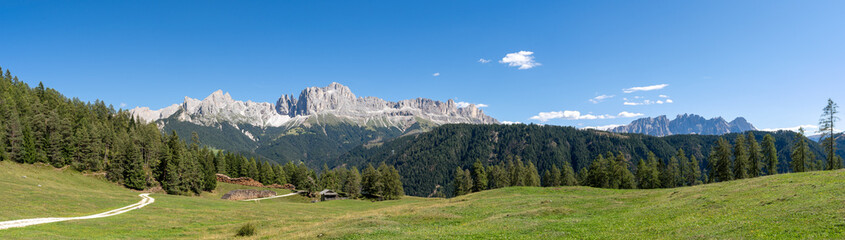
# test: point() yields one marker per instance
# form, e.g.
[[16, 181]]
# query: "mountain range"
[[319, 124], [685, 124]]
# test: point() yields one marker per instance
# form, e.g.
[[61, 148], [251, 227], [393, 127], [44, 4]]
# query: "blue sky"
[[773, 62]]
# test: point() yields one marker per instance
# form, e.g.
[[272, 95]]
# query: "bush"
[[246, 230]]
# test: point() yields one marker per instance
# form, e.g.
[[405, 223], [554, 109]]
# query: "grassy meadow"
[[806, 206]]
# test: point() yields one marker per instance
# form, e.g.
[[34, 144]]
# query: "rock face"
[[243, 194], [336, 100], [685, 124]]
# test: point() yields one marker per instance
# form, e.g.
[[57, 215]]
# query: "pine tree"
[[828, 138], [740, 158], [770, 154], [479, 177], [799, 152], [722, 161]]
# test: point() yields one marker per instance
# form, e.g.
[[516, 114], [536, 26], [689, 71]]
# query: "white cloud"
[[484, 60], [600, 98], [436, 74], [663, 96], [794, 129], [604, 128], [646, 88], [629, 115], [123, 105], [509, 122], [646, 102], [522, 59], [576, 115], [466, 104]]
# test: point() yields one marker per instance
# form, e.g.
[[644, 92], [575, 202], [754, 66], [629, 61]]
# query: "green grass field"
[[802, 206]]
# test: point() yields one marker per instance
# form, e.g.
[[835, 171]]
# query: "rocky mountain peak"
[[685, 124], [335, 99]]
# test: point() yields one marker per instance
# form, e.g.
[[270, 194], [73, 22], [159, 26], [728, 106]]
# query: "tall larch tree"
[[799, 152], [828, 137], [479, 176]]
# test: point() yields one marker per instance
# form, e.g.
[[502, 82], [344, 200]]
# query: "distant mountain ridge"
[[335, 99], [685, 124]]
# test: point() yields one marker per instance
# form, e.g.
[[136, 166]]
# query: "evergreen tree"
[[479, 177], [626, 178], [799, 152], [267, 175], [547, 178], [582, 177], [828, 138], [352, 184], [463, 182], [533, 176], [755, 157], [740, 158], [598, 175], [770, 154], [722, 161], [516, 173], [555, 175], [694, 172], [672, 173], [134, 176], [282, 179], [392, 182], [498, 177], [567, 177], [371, 182]]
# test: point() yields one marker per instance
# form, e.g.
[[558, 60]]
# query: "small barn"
[[328, 195]]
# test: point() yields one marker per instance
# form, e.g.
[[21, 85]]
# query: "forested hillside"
[[430, 159]]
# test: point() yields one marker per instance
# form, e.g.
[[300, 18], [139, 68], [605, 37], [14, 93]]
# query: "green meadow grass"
[[797, 206]]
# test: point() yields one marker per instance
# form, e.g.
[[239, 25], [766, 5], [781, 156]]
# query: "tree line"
[[744, 158], [40, 125]]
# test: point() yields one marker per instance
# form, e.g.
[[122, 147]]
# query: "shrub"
[[246, 230]]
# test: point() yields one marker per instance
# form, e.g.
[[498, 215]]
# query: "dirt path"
[[33, 221], [280, 196]]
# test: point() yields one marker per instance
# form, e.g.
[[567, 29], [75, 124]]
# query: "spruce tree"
[[722, 161], [754, 156], [281, 176], [517, 173], [626, 178], [598, 176], [770, 154], [462, 183], [479, 177], [694, 172], [134, 176], [741, 165], [828, 137]]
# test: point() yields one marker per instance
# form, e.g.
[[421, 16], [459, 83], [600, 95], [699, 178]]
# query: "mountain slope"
[[786, 206], [685, 124]]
